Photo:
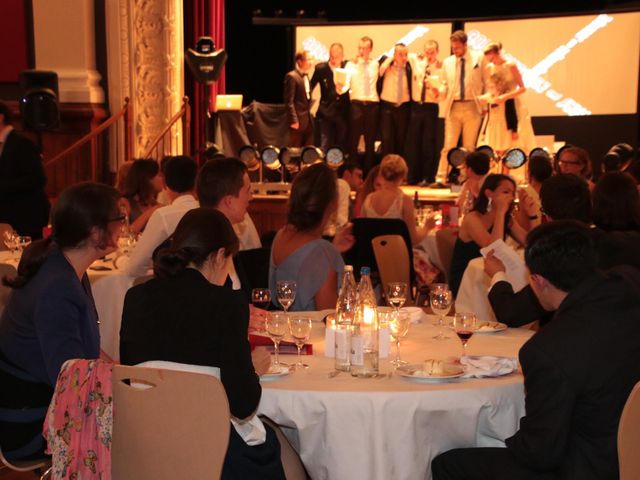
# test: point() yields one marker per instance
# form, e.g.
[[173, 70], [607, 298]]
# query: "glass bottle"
[[345, 316], [364, 338]]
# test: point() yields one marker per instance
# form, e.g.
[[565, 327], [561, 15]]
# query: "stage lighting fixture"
[[618, 157], [249, 156], [205, 62], [487, 150], [334, 157], [514, 158], [270, 157], [290, 158], [213, 152], [457, 156], [39, 102], [539, 152], [311, 155]]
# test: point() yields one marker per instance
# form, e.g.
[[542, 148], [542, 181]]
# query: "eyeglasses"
[[567, 162]]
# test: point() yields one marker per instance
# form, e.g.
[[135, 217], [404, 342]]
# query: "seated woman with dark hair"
[[616, 216], [142, 184], [186, 315], [299, 252], [489, 220], [51, 317]]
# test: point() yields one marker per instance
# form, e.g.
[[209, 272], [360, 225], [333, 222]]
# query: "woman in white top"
[[390, 202]]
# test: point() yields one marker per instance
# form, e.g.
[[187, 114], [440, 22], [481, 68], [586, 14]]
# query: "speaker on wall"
[[39, 101]]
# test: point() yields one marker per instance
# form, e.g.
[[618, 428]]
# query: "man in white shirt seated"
[[180, 174]]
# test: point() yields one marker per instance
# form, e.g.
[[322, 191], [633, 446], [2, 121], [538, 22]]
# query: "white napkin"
[[487, 366], [415, 314]]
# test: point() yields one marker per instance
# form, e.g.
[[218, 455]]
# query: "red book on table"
[[285, 348]]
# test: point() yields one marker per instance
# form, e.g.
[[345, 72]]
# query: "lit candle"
[[330, 337]]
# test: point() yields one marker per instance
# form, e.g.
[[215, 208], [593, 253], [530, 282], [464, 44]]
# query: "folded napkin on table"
[[487, 366], [415, 314]]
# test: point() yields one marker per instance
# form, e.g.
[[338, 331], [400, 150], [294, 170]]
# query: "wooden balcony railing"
[[164, 143], [94, 139]]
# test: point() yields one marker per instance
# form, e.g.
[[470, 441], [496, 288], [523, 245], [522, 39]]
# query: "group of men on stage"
[[396, 97]]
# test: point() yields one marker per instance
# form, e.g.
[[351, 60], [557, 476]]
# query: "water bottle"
[[364, 339], [345, 316]]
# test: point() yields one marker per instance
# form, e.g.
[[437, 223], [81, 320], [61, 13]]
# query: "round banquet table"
[[390, 427]]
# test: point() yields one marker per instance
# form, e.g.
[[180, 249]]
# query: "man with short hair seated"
[[578, 370]]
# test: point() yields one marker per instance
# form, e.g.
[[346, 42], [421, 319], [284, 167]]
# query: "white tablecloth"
[[390, 428], [473, 293]]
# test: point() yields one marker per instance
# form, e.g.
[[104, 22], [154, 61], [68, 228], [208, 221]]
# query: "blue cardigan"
[[50, 320]]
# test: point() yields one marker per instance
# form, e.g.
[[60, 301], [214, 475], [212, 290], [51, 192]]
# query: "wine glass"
[[300, 329], [464, 324], [22, 242], [276, 326], [441, 300], [397, 294], [399, 327], [261, 298], [10, 240], [286, 293]]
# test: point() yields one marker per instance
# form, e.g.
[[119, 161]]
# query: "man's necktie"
[[366, 79], [462, 78], [307, 86], [423, 93]]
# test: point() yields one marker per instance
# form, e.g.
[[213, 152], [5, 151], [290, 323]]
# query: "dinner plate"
[[415, 373], [491, 327], [275, 372]]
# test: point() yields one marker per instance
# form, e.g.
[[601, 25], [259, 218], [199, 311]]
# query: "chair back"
[[168, 424], [629, 437], [37, 465], [364, 231], [253, 266], [9, 271], [392, 257], [4, 227], [445, 241]]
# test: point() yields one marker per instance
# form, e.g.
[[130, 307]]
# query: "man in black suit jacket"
[[297, 100], [394, 88], [23, 201], [333, 111], [578, 370]]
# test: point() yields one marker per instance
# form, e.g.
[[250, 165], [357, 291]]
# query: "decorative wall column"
[[68, 47], [146, 63]]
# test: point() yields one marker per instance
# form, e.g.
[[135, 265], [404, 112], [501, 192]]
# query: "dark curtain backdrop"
[[202, 18]]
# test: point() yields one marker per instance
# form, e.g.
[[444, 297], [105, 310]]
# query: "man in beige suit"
[[463, 113]]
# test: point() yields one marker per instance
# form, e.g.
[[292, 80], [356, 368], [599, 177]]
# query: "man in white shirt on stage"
[[463, 72]]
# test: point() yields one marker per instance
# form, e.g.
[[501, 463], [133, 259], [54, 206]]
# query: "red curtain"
[[202, 18]]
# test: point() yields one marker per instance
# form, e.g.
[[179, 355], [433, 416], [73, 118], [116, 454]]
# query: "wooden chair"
[[445, 241], [629, 437], [36, 466], [9, 271], [176, 427], [392, 258]]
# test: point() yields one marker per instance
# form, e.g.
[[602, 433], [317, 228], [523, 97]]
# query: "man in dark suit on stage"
[[578, 370], [394, 88], [333, 111], [297, 100], [23, 201]]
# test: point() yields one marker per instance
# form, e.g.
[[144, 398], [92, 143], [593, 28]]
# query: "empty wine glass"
[[441, 300], [261, 298], [397, 294], [399, 327], [300, 329], [22, 242], [9, 238], [286, 293], [464, 324], [276, 326]]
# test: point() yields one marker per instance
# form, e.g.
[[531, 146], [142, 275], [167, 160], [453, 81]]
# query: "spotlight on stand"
[[488, 151], [290, 157], [249, 156], [213, 152], [39, 102], [618, 157], [311, 155], [514, 158], [539, 152], [456, 158], [270, 157], [334, 157]]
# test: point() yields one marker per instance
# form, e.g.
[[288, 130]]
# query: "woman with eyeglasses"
[[576, 160], [51, 316]]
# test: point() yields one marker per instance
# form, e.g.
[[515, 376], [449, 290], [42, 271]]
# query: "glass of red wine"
[[464, 324], [261, 298]]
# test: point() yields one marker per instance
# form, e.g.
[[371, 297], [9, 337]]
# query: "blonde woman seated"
[[390, 202]]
